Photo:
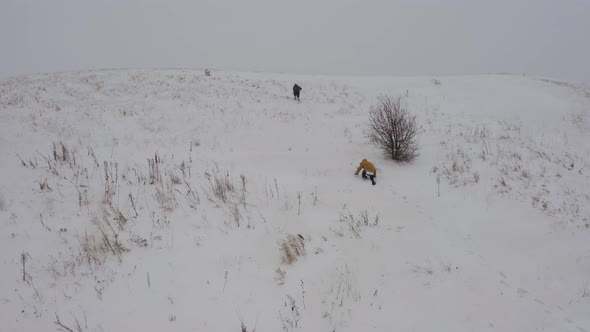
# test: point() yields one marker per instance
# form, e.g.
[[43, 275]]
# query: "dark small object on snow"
[[301, 237], [296, 90]]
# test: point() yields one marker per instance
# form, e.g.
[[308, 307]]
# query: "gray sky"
[[399, 37]]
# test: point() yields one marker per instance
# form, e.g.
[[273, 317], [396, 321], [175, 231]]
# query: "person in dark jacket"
[[296, 90]]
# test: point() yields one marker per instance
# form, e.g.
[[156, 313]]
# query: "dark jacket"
[[296, 88]]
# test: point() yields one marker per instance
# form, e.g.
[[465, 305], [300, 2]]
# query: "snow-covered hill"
[[164, 200]]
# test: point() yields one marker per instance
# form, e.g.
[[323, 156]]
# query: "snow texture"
[[168, 200]]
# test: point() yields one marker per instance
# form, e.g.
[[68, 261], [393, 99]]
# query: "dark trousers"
[[296, 95], [371, 177]]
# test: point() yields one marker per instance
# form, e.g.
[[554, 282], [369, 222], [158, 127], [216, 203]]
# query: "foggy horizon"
[[401, 37]]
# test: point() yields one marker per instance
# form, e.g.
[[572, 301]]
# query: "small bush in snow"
[[457, 169], [291, 248], [96, 246], [393, 129], [356, 225], [62, 154], [224, 191], [165, 197], [154, 169], [221, 185], [290, 316]]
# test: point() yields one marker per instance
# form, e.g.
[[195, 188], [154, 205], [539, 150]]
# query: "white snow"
[[487, 230]]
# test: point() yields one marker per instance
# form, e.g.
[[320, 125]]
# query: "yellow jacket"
[[367, 166]]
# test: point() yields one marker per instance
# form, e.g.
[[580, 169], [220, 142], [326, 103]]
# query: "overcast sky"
[[398, 37]]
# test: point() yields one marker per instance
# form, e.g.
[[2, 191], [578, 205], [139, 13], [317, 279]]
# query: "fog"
[[344, 37]]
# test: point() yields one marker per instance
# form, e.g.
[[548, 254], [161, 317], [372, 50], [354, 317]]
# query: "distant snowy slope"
[[167, 200]]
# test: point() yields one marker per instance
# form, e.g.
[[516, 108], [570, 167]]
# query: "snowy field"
[[167, 200]]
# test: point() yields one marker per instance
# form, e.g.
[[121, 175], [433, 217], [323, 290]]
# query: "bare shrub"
[[457, 167], [235, 214], [221, 186], [165, 197], [393, 129], [223, 190], [92, 250], [154, 169], [190, 195], [291, 316], [291, 248], [97, 246], [356, 225], [476, 134], [111, 179], [287, 255], [62, 154], [228, 193]]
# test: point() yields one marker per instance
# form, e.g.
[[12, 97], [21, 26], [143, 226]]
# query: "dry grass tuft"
[[291, 248]]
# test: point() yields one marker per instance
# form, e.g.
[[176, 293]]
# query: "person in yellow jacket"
[[368, 169]]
